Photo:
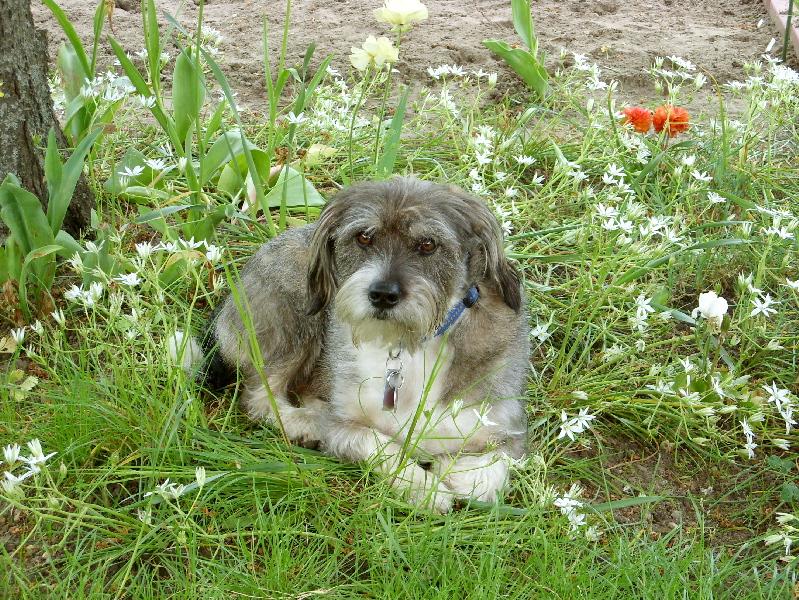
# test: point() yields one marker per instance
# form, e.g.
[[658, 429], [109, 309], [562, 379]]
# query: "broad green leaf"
[[523, 23], [227, 147], [146, 193], [42, 270], [385, 166], [71, 70], [130, 162], [61, 191], [524, 63], [188, 93], [295, 189], [71, 34], [53, 169], [233, 176], [22, 212], [69, 246]]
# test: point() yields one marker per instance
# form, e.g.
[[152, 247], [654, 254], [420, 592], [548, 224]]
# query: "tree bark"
[[26, 111]]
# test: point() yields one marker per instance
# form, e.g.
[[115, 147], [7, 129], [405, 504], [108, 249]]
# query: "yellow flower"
[[401, 13], [377, 51]]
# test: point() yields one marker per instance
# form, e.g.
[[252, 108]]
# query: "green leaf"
[[165, 212], [132, 159], [99, 21], [62, 189], [188, 93], [295, 189], [623, 503], [385, 166], [72, 36], [525, 64], [143, 89], [69, 246], [789, 492], [523, 23], [43, 271], [225, 148], [637, 272], [152, 43], [22, 212]]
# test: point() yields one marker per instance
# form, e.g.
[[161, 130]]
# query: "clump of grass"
[[617, 234]]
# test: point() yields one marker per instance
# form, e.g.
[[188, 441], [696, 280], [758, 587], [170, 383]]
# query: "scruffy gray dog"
[[396, 314]]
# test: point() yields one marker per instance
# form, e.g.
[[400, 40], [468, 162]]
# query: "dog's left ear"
[[321, 264], [491, 262]]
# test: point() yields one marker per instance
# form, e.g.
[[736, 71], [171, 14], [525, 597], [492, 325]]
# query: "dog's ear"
[[321, 264], [489, 262]]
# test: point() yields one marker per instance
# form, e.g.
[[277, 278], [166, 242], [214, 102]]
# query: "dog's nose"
[[384, 294]]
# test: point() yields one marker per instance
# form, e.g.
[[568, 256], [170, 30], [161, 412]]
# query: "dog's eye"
[[427, 246], [363, 239]]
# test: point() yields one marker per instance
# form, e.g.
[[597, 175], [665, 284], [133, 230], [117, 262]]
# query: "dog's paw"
[[302, 426], [480, 477], [437, 499]]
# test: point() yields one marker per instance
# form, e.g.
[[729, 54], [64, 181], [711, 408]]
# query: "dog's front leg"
[[358, 443], [478, 476], [303, 424]]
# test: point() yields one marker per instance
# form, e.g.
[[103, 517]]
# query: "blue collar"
[[471, 298]]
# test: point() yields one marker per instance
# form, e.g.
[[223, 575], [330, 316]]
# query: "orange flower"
[[671, 118], [639, 117]]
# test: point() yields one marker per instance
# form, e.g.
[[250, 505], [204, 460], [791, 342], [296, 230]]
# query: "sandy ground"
[[622, 36]]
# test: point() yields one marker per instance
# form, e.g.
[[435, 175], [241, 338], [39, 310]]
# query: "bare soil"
[[622, 36]]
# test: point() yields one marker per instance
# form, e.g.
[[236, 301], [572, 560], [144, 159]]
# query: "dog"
[[392, 331]]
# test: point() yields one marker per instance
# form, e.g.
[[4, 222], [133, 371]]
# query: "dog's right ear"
[[321, 264]]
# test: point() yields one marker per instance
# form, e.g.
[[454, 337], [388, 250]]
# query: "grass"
[[674, 505]]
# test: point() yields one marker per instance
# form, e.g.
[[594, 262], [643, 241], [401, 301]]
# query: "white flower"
[[794, 285], [145, 249], [11, 454], [374, 51], [199, 475], [145, 101], [18, 335], [540, 332], [750, 449], [457, 406], [763, 306], [17, 479], [492, 80], [58, 317], [131, 171], [168, 490], [643, 306], [482, 418], [129, 279], [37, 456], [701, 176], [524, 160], [401, 13], [37, 327], [296, 119], [156, 164], [716, 198], [712, 307], [580, 395], [770, 45], [606, 212], [583, 419], [782, 444], [213, 254]]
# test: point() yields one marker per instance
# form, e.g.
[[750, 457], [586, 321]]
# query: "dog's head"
[[396, 255]]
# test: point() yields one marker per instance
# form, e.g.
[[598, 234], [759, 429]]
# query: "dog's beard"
[[405, 325]]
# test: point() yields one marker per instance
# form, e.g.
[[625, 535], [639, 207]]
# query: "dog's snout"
[[384, 294]]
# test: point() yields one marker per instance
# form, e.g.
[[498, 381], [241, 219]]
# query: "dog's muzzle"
[[384, 295]]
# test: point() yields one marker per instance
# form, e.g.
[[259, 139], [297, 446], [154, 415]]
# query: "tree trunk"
[[26, 111]]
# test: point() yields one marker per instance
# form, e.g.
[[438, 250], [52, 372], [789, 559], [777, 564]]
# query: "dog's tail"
[[200, 358]]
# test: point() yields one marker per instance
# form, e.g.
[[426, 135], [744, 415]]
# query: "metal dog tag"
[[391, 391], [394, 379]]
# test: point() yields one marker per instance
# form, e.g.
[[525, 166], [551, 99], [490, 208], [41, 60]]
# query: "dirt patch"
[[623, 37]]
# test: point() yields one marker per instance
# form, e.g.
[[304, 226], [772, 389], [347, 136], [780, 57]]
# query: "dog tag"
[[391, 390]]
